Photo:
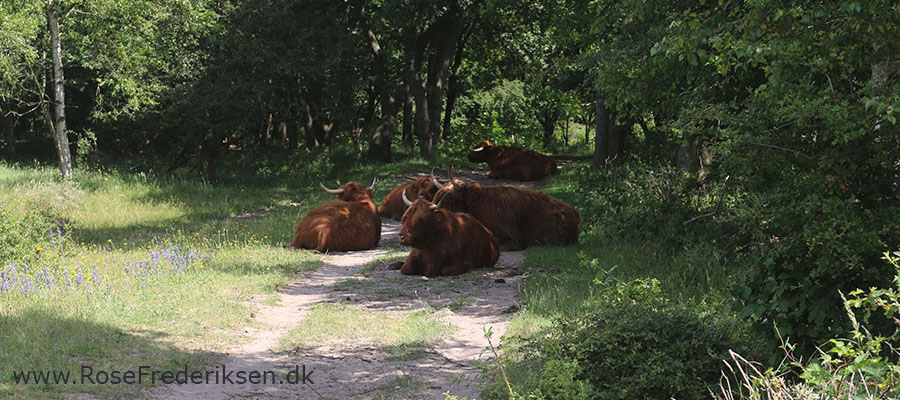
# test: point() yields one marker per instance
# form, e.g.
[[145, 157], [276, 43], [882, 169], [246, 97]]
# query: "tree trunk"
[[409, 74], [293, 136], [59, 105], [548, 123], [650, 136], [601, 137], [8, 133], [380, 145], [694, 157], [421, 117], [453, 88], [447, 35], [408, 118]]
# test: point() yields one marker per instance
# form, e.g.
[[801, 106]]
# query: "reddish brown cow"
[[517, 217], [349, 223], [393, 206], [508, 162], [444, 243]]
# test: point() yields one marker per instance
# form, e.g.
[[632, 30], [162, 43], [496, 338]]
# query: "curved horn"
[[436, 182], [438, 204], [406, 199], [479, 148], [374, 181], [332, 191], [450, 172]]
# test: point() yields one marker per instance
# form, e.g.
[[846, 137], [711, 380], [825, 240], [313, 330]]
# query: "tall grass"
[[136, 270], [565, 278]]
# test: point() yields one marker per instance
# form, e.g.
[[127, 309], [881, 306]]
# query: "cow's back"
[[338, 226], [522, 165], [519, 218], [392, 206]]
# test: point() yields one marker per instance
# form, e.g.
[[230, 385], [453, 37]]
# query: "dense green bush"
[[635, 344], [24, 239], [36, 229], [802, 229], [861, 365], [638, 201]]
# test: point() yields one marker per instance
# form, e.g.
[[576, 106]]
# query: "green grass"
[[341, 323], [406, 352], [120, 320], [170, 319], [565, 276], [354, 284], [388, 259], [402, 387]]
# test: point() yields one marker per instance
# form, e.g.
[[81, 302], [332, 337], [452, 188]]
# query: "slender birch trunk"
[[59, 105]]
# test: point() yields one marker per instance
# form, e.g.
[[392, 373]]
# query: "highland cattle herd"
[[452, 227]]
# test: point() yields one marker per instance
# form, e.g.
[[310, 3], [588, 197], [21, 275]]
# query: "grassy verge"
[[341, 323], [569, 275], [135, 271], [130, 269], [571, 329]]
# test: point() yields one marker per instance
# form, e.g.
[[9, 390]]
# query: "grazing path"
[[471, 303]]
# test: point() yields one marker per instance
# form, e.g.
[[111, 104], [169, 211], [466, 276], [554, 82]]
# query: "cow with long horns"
[[444, 243], [515, 163], [517, 217], [349, 223], [393, 206]]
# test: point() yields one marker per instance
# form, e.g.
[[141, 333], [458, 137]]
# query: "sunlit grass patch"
[[406, 352], [340, 323], [348, 284], [131, 270], [402, 387], [387, 259]]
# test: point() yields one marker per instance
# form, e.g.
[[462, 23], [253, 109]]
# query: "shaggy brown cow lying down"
[[517, 217], [444, 243], [393, 206], [515, 163], [349, 223]]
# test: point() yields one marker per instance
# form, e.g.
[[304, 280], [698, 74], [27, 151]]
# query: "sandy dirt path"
[[471, 303]]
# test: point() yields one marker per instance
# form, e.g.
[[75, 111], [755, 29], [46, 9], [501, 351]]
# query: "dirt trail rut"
[[471, 303]]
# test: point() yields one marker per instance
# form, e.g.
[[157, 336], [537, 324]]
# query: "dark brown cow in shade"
[[514, 163], [517, 217], [444, 243], [393, 206], [349, 223]]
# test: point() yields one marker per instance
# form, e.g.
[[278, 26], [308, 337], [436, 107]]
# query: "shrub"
[[639, 201], [23, 240], [37, 230], [861, 366], [635, 345], [813, 240]]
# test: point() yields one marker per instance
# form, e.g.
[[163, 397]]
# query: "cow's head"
[[482, 152], [424, 187], [451, 195], [352, 191], [419, 222]]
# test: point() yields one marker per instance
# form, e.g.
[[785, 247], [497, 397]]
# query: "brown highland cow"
[[349, 223], [393, 206], [444, 243], [517, 217], [514, 163]]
